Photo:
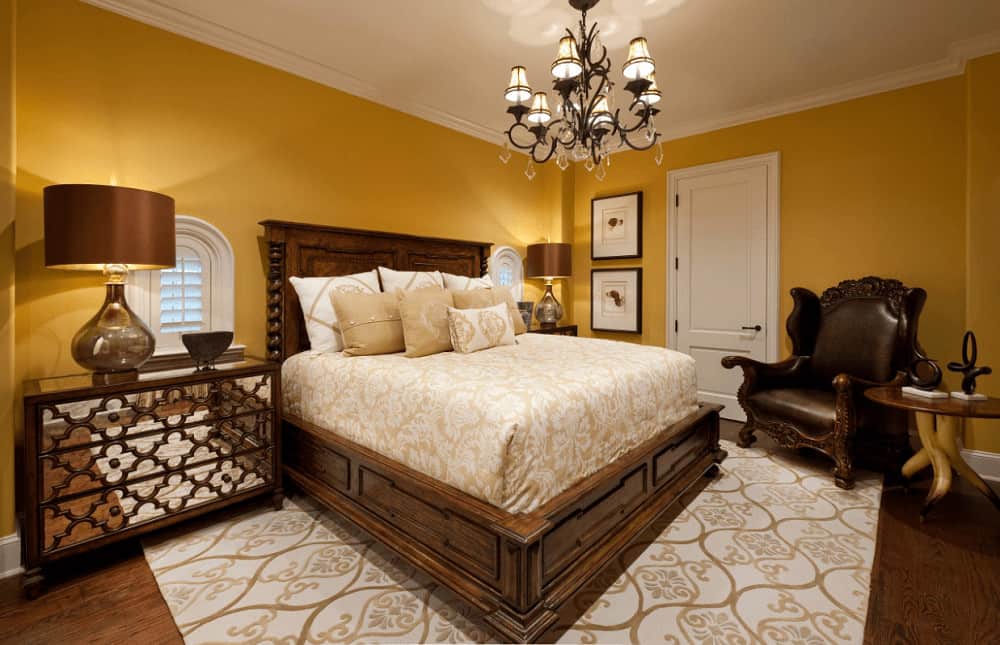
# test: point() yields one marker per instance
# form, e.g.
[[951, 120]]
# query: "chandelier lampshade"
[[588, 125], [651, 95], [600, 116], [518, 90], [540, 112], [639, 64], [567, 63]]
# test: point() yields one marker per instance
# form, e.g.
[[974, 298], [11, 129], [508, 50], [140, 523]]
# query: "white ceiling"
[[719, 62]]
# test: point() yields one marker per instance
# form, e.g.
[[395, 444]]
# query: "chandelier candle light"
[[588, 127]]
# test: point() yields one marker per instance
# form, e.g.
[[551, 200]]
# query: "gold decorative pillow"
[[475, 329], [393, 280], [424, 314], [369, 323], [478, 298]]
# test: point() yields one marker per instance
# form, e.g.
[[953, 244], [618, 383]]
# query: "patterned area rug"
[[770, 551]]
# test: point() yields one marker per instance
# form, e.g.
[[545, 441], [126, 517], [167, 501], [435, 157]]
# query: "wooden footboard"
[[517, 569]]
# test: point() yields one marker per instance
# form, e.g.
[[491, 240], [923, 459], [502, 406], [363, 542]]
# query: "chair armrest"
[[759, 375], [847, 383]]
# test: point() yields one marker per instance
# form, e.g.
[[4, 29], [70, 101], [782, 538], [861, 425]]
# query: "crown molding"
[[157, 15], [953, 64], [204, 31]]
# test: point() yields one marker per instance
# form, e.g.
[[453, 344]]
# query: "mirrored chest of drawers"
[[105, 462]]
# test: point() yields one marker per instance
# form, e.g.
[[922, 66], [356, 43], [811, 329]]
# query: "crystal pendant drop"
[[505, 153], [659, 154], [600, 174], [562, 161], [589, 164], [529, 172]]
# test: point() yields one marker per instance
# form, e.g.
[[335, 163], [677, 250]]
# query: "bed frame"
[[519, 570]]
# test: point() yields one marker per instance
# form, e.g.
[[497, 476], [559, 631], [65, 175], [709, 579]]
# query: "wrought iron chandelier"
[[588, 126]]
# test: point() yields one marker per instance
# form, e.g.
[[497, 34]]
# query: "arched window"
[[195, 295], [507, 270]]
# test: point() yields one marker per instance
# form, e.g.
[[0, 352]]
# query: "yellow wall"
[[896, 184], [983, 302], [876, 185], [6, 267], [869, 186], [103, 98]]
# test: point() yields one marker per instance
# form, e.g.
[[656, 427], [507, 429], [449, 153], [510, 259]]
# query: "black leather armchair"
[[857, 335]]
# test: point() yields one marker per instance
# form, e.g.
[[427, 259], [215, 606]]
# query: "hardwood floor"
[[106, 598], [936, 582]]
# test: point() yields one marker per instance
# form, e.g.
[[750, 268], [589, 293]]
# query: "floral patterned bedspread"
[[514, 425]]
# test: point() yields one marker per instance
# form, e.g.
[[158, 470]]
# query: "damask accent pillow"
[[454, 282], [317, 307], [473, 330], [369, 323], [393, 280], [424, 314], [478, 298]]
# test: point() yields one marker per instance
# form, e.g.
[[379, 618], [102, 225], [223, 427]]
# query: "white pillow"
[[475, 329], [317, 307], [454, 282], [393, 281]]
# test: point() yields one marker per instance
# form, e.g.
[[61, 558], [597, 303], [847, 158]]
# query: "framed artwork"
[[616, 227], [616, 300]]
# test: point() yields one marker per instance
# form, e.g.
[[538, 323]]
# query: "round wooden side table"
[[939, 425]]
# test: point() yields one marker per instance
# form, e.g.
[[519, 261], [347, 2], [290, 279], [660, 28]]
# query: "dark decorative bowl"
[[204, 347]]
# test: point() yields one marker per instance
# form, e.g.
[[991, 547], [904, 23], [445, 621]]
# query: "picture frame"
[[525, 309], [616, 227], [616, 300]]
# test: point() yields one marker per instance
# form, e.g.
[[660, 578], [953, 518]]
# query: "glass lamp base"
[[548, 311], [115, 341]]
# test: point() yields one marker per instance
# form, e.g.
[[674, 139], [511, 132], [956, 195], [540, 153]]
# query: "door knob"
[[754, 328]]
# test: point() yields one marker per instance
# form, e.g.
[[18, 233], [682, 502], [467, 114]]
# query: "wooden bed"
[[517, 569]]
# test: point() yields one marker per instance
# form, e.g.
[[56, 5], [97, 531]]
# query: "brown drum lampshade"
[[549, 260], [89, 226]]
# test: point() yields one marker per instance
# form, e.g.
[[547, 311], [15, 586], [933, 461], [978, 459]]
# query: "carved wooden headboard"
[[311, 250]]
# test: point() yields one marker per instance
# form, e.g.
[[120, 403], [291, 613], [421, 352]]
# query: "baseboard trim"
[[987, 464], [10, 555]]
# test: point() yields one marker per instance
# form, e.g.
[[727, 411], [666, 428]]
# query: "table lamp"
[[548, 261], [112, 229]]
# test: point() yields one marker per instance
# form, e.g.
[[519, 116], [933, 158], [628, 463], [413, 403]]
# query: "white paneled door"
[[723, 271]]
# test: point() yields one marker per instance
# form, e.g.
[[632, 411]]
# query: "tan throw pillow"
[[478, 298], [393, 280], [454, 282], [424, 314], [317, 306], [369, 323], [473, 330]]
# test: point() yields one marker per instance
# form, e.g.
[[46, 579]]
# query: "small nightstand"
[[556, 330], [105, 462]]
